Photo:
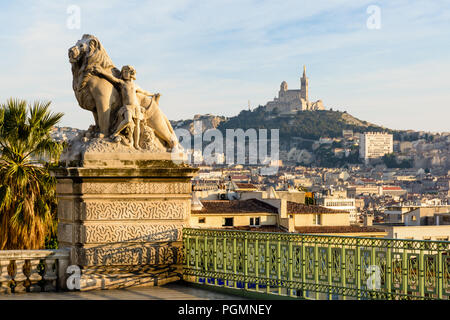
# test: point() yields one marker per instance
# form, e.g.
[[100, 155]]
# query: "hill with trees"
[[305, 124]]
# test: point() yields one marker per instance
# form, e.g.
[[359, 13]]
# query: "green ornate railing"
[[318, 266]]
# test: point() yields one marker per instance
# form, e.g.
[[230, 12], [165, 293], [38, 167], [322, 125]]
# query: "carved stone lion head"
[[82, 47], [88, 51]]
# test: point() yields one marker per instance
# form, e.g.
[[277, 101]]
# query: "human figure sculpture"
[[132, 117], [131, 111]]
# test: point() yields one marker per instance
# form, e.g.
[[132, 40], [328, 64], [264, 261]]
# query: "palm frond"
[[27, 190]]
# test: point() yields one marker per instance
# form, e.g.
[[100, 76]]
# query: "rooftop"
[[235, 206], [299, 208], [242, 185], [336, 229], [262, 228]]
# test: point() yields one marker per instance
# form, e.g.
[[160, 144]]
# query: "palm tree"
[[27, 190]]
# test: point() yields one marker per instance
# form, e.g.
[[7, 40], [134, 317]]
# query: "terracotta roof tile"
[[260, 228], [235, 206], [392, 188], [245, 185], [294, 207], [336, 229]]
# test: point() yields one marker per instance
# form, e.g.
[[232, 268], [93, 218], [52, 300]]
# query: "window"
[[201, 220], [317, 219], [442, 238], [228, 222], [426, 238], [254, 221], [413, 218]]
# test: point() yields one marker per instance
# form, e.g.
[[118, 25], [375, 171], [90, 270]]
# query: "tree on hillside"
[[27, 190], [391, 162]]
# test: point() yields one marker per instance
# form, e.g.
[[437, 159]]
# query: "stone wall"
[[104, 213], [124, 217]]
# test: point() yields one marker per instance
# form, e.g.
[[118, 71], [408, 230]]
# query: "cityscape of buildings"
[[366, 201], [155, 151], [372, 198]]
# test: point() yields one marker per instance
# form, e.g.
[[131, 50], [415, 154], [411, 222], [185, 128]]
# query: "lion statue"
[[94, 93], [98, 95]]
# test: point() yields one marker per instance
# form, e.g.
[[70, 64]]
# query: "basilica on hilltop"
[[289, 101]]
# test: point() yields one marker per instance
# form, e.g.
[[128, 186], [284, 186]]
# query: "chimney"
[[368, 220], [196, 204]]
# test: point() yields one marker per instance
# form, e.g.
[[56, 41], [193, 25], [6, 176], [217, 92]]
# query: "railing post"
[[245, 262], [421, 274], [187, 250], [62, 277], [267, 266], [405, 271], [196, 257], [20, 276], [234, 261], [12, 271], [358, 269], [316, 269], [389, 271], [50, 276], [3, 277], [215, 259], [441, 269], [205, 255], [257, 264], [290, 270], [303, 268], [343, 269], [279, 264], [373, 263], [225, 257], [329, 263]]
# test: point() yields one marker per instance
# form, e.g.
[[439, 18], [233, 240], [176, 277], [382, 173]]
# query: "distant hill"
[[305, 124]]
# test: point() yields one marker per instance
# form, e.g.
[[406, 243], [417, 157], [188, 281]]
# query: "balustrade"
[[318, 266], [32, 270]]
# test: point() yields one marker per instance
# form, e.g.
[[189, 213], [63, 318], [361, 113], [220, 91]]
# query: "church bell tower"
[[304, 85]]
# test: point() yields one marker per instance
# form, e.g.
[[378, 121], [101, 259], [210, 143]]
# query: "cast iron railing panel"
[[318, 266]]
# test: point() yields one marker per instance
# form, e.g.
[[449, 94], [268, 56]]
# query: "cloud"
[[214, 56]]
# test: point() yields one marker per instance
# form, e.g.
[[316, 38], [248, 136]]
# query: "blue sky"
[[215, 56]]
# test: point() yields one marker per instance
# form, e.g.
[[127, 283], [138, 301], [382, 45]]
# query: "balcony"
[[263, 265]]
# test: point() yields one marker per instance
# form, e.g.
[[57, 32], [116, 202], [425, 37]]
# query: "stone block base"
[[124, 217]]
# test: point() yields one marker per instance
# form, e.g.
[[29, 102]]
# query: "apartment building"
[[374, 145]]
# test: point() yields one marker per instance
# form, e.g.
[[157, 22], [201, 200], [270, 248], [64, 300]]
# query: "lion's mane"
[[96, 57]]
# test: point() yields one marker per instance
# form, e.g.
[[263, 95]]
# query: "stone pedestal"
[[123, 222]]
